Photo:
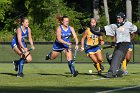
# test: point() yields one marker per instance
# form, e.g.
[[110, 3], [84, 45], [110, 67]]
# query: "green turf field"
[[43, 77], [55, 78]]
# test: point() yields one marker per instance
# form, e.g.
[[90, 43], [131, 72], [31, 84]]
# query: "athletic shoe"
[[15, 65], [109, 75], [125, 72], [47, 57], [20, 75], [75, 73], [100, 72], [119, 73]]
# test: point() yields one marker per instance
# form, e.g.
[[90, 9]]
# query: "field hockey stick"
[[75, 53], [74, 57], [27, 51], [106, 47]]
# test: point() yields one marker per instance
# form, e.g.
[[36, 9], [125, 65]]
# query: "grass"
[[50, 77], [55, 78]]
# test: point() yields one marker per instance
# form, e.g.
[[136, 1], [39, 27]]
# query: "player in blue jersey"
[[19, 46], [62, 43]]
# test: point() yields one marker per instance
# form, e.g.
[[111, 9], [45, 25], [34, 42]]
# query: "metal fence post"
[[133, 52], [61, 57]]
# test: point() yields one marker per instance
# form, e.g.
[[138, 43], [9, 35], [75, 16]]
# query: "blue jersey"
[[65, 35], [15, 39]]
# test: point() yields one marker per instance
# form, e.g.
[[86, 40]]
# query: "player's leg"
[[128, 56], [52, 55], [19, 52], [125, 61], [100, 58], [57, 48], [71, 63], [93, 57], [118, 56], [109, 58], [26, 57]]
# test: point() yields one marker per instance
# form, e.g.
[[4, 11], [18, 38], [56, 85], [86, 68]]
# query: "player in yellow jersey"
[[90, 43]]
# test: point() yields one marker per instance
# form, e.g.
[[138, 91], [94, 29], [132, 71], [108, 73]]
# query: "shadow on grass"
[[7, 89], [46, 74], [10, 74], [96, 74], [135, 73]]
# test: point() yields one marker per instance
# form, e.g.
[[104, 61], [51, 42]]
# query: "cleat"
[[119, 73], [75, 73], [100, 72], [15, 65], [20, 75], [47, 57], [125, 72], [110, 75]]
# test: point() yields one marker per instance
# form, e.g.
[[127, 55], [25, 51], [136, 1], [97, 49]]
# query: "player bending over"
[[19, 46]]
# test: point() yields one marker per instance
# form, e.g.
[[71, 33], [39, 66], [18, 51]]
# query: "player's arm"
[[133, 30], [19, 37], [30, 38], [133, 35], [101, 40], [58, 36], [113, 41], [75, 37], [83, 39]]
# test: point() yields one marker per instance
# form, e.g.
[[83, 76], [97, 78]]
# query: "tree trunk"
[[129, 10], [138, 10], [106, 11], [96, 9]]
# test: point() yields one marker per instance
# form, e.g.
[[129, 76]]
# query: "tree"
[[138, 10], [129, 10], [96, 9], [106, 11]]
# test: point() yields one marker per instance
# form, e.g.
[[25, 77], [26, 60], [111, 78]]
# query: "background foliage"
[[43, 13]]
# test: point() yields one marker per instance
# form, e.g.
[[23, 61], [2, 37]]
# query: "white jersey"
[[121, 33]]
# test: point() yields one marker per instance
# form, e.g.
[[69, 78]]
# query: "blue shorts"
[[92, 50], [59, 46], [15, 43], [130, 47]]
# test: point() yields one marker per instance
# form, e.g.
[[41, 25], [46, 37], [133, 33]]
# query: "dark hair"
[[64, 17], [23, 19]]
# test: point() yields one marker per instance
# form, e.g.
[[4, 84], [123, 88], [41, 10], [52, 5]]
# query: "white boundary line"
[[93, 79], [119, 89], [98, 79]]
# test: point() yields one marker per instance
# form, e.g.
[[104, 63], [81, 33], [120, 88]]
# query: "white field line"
[[119, 89], [98, 79]]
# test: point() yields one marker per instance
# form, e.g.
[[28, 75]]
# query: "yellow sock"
[[98, 67], [124, 64]]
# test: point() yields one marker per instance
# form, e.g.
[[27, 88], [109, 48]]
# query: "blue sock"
[[71, 66], [21, 64], [19, 61]]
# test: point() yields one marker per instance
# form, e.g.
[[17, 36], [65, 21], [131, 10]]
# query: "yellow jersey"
[[91, 39]]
